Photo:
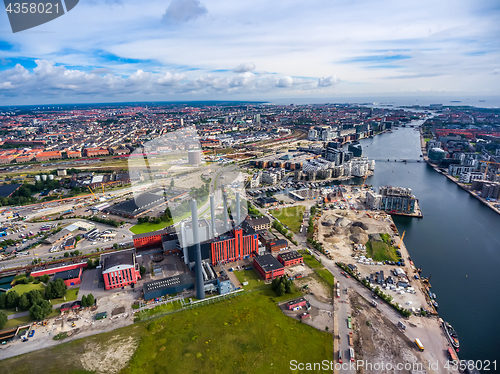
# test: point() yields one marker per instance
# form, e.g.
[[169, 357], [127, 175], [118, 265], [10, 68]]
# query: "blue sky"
[[253, 50]]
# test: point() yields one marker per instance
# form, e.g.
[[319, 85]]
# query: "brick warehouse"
[[290, 258], [268, 267], [119, 269]]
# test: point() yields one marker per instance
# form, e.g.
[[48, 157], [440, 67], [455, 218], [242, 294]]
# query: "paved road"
[[426, 329], [318, 304], [343, 311]]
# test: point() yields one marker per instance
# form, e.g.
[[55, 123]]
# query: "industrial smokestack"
[[238, 216], [227, 225], [200, 289], [212, 214]]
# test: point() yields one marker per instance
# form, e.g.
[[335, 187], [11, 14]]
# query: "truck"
[[349, 322], [419, 344], [351, 339]]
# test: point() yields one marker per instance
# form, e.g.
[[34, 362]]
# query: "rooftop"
[[268, 263], [125, 258], [167, 282], [292, 255]]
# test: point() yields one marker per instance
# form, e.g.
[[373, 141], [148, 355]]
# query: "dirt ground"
[[118, 307], [377, 340], [318, 318], [109, 358], [316, 287], [337, 229]]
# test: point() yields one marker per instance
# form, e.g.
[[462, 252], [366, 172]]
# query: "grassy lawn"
[[311, 261], [326, 275], [11, 323], [71, 294], [158, 310], [246, 334], [380, 251], [250, 276], [291, 216], [23, 288], [148, 227]]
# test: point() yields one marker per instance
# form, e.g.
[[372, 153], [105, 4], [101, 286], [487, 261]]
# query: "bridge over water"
[[405, 160]]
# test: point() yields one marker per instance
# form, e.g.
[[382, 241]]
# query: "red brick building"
[[45, 156], [296, 304], [268, 267], [236, 248], [59, 269], [119, 269], [290, 258], [148, 239], [90, 152], [70, 277], [73, 154]]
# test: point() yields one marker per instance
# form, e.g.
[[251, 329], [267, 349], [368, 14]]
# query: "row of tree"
[[88, 300], [282, 285]]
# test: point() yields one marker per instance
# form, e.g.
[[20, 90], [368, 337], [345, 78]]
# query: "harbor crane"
[[92, 192], [401, 241], [487, 165]]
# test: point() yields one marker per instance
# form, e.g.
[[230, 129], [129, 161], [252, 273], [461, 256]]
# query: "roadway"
[[426, 329]]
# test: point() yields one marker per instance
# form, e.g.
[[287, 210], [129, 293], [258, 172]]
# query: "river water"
[[457, 242]]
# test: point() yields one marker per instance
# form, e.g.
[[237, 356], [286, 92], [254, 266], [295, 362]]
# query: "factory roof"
[[167, 282], [137, 204], [68, 274], [268, 263], [119, 259], [292, 255]]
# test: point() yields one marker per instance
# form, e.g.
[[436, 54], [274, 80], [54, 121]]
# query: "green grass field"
[[148, 227], [326, 275], [381, 251], [310, 260], [291, 216], [246, 334], [11, 323], [23, 288], [71, 294], [250, 276]]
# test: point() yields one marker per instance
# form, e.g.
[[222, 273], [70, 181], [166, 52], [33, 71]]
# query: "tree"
[[44, 278], [12, 299], [275, 283], [34, 297], [115, 246], [280, 291], [84, 301], [289, 286], [24, 303], [3, 300], [90, 264], [90, 299], [3, 319], [55, 289], [142, 270], [66, 254]]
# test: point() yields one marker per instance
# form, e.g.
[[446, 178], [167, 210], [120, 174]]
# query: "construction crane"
[[488, 164], [401, 241], [92, 192]]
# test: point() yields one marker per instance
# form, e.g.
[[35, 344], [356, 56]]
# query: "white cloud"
[[328, 81], [242, 68], [285, 82], [184, 11]]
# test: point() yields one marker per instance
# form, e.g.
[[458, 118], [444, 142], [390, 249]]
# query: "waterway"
[[457, 242]]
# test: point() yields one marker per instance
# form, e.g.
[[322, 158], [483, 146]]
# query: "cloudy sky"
[[123, 50]]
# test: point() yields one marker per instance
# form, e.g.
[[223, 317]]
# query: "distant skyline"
[[280, 51]]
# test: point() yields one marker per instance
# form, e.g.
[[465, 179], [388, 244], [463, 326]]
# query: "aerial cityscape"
[[191, 187]]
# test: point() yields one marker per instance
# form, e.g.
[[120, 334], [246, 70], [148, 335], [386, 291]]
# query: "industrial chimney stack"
[[200, 289]]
